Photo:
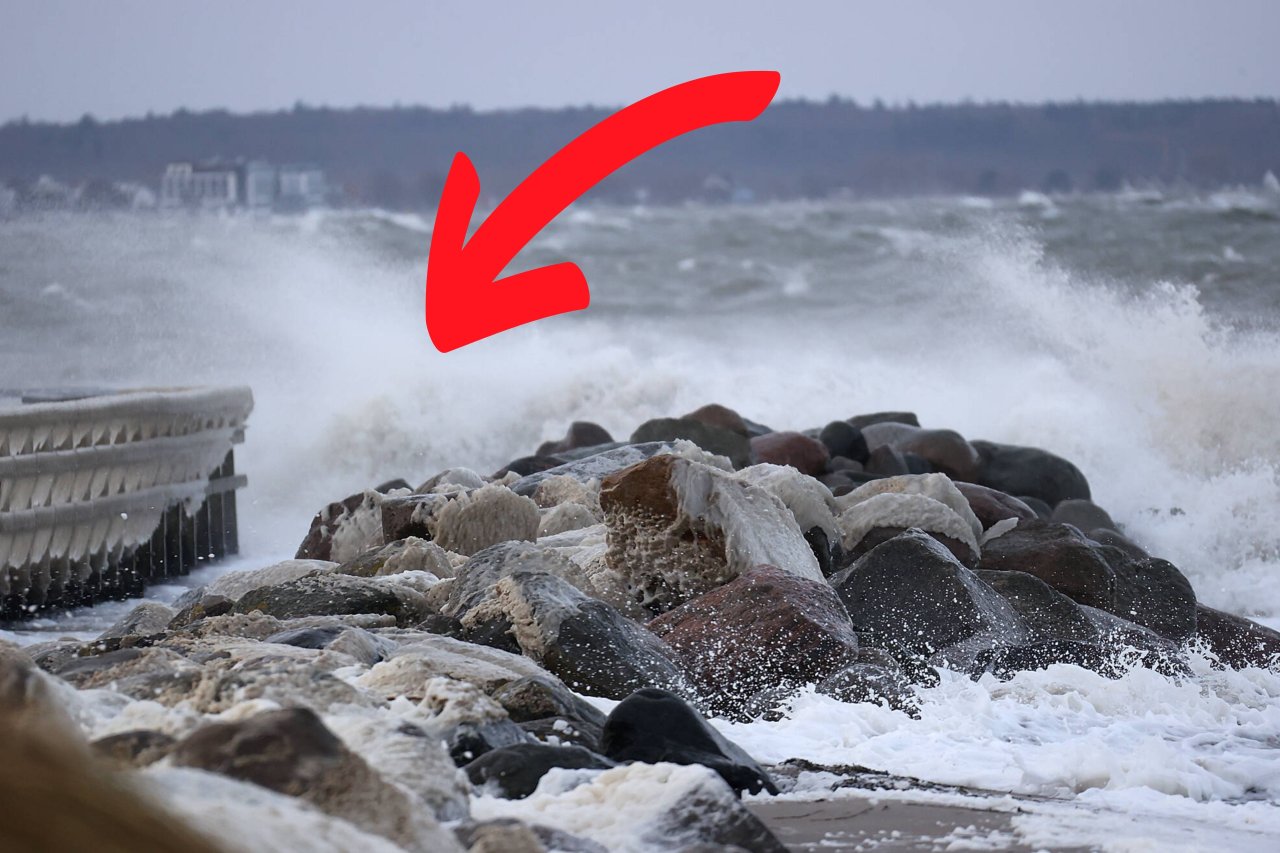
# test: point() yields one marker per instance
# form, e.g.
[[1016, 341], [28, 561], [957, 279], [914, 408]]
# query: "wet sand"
[[867, 823]]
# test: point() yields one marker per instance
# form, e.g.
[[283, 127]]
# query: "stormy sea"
[[1136, 334]]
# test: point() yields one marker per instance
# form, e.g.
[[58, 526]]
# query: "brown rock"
[[991, 506], [716, 415], [861, 421], [1059, 555], [318, 543], [807, 455], [763, 629], [945, 450]]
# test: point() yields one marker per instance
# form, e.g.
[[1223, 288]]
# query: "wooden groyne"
[[102, 494]]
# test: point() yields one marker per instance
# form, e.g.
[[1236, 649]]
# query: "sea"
[[1135, 333]]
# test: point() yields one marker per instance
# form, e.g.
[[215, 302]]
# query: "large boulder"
[[594, 467], [764, 629], [911, 593], [1149, 592], [331, 595], [807, 455], [585, 642], [465, 521], [656, 726], [678, 528], [721, 417], [1030, 471], [811, 505], [844, 441]]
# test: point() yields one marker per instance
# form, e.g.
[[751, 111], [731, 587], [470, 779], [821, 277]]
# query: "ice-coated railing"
[[101, 494]]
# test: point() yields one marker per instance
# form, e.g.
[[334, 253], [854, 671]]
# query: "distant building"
[[255, 185], [301, 186], [206, 186]]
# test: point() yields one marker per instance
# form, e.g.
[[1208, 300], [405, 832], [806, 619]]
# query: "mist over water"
[[1136, 336]]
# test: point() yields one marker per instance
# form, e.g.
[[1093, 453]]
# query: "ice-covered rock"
[[928, 502], [678, 528], [344, 529], [410, 554], [465, 521]]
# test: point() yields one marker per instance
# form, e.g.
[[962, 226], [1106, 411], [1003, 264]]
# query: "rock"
[[1005, 663], [991, 507], [886, 461], [469, 722], [807, 455], [508, 835], [1030, 471], [720, 417], [1057, 554], [712, 439], [463, 522], [876, 682], [201, 606], [842, 439], [595, 467], [29, 700], [420, 657], [534, 698], [1085, 515], [1134, 645], [882, 509], [403, 555], [945, 450], [645, 807], [1039, 507], [580, 434], [589, 645], [365, 647], [1047, 613], [133, 749], [329, 595], [912, 593], [863, 421], [765, 628], [527, 466], [408, 754], [344, 529], [475, 579], [143, 673], [292, 752], [1236, 641], [145, 620], [565, 517], [657, 726], [1150, 592], [514, 771], [678, 528]]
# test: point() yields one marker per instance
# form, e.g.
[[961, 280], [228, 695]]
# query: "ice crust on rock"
[[472, 521], [809, 501], [678, 528], [930, 502], [638, 808]]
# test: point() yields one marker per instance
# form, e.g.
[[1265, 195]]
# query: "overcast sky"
[[61, 58]]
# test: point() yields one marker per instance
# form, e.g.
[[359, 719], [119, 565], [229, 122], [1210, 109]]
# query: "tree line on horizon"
[[398, 157]]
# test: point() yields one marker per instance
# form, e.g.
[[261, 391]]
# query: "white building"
[[301, 186], [207, 186]]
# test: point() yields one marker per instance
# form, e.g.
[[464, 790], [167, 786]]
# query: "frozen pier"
[[103, 493]]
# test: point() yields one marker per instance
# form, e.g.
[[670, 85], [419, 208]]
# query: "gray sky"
[[62, 58]]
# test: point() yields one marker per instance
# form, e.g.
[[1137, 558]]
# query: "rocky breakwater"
[[528, 660]]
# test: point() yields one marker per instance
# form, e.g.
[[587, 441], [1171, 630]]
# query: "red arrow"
[[465, 301]]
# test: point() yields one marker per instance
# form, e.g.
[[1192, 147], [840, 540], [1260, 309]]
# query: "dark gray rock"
[[468, 741], [145, 620], [653, 726], [1030, 471], [1085, 515], [1005, 663], [844, 439], [513, 772], [861, 421], [878, 681], [1047, 613], [580, 434], [1237, 641], [912, 593]]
